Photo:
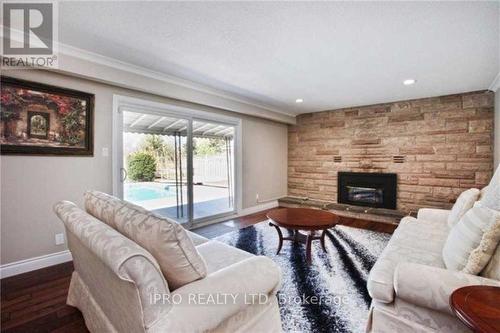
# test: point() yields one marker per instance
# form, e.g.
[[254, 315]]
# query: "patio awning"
[[154, 124]]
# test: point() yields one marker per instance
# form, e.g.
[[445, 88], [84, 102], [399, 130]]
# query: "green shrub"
[[141, 167]]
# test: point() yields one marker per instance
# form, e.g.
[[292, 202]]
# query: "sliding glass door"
[[154, 173], [179, 167], [213, 169]]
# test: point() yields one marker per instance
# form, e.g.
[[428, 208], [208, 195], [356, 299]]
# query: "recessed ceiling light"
[[299, 100], [409, 82]]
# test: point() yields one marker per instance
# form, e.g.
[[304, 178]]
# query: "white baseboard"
[[258, 208], [27, 265], [31, 264], [242, 212]]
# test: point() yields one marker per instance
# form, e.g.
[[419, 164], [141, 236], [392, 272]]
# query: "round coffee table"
[[306, 219], [478, 307]]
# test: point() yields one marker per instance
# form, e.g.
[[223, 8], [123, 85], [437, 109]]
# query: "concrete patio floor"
[[208, 200]]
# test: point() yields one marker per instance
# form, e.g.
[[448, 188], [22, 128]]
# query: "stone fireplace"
[[438, 147], [367, 189]]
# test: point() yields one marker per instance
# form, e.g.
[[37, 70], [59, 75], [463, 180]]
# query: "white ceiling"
[[331, 54]]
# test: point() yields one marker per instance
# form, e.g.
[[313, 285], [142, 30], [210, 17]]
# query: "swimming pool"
[[148, 191]]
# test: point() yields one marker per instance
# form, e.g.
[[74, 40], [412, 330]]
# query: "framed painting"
[[38, 119]]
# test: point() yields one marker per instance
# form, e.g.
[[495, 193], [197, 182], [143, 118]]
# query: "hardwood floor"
[[215, 230], [368, 225], [218, 229], [36, 301]]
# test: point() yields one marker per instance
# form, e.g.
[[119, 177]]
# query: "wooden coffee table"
[[478, 307], [306, 219]]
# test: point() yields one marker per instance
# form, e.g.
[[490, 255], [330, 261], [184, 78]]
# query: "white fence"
[[210, 169], [206, 169]]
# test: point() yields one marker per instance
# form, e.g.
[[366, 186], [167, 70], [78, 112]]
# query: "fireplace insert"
[[367, 189]]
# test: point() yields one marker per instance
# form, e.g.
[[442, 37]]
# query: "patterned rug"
[[328, 296]]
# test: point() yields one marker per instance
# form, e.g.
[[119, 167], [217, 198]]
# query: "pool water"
[[144, 192]]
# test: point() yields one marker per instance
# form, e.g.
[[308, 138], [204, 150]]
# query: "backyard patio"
[[161, 198]]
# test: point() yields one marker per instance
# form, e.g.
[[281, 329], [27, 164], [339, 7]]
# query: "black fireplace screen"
[[365, 194], [367, 189]]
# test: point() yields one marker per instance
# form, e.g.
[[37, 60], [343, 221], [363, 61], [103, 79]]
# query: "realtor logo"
[[29, 32]]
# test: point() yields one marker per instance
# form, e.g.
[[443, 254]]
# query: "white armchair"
[[116, 283], [410, 285]]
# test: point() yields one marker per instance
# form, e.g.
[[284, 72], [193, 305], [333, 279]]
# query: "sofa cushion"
[[165, 239], [218, 255], [434, 215], [114, 269], [244, 280], [425, 235], [414, 233], [491, 196], [101, 206], [431, 287], [402, 316], [464, 202], [413, 241], [472, 240]]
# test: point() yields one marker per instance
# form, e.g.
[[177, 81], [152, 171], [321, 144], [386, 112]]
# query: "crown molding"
[[125, 67], [495, 85], [92, 57]]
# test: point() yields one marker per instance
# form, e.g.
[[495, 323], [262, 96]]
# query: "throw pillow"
[[168, 242], [464, 202], [483, 192], [492, 270], [102, 206], [491, 197], [472, 241]]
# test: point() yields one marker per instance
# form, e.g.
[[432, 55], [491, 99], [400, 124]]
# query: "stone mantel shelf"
[[365, 213]]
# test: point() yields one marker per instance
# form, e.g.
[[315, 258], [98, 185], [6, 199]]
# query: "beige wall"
[[497, 129], [30, 185], [265, 174]]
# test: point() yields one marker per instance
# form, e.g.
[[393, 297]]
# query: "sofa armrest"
[[206, 303], [433, 214], [431, 287]]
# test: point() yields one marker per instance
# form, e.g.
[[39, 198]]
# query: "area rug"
[[330, 295]]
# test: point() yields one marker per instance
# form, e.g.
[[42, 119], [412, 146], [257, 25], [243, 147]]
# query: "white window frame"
[[182, 111]]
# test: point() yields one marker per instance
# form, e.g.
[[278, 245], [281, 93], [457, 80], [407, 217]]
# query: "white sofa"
[[409, 283], [116, 283]]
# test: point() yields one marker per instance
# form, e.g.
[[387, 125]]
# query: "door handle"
[[123, 175]]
